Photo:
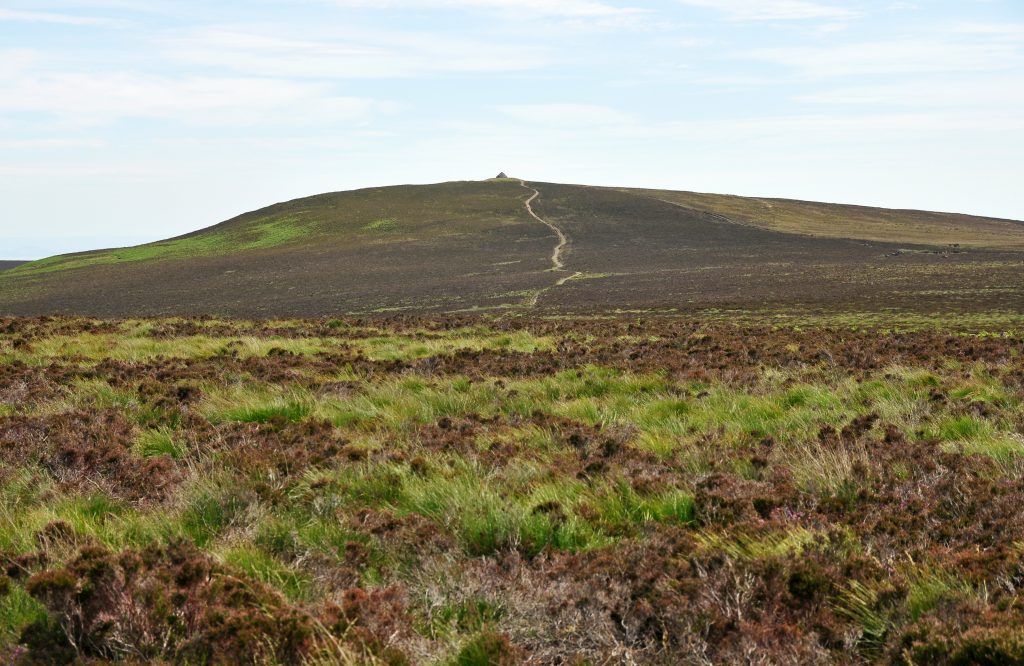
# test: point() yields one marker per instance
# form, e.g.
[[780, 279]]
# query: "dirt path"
[[556, 256], [563, 240]]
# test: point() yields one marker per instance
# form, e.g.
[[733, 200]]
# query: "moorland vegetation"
[[822, 490]]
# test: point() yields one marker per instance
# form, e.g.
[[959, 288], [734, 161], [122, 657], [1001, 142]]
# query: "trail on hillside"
[[563, 240], [556, 256]]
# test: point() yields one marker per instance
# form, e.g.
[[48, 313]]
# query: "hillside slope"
[[480, 246], [853, 222]]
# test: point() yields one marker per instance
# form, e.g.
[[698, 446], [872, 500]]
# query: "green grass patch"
[[621, 508], [861, 603], [211, 511], [928, 586], [266, 568], [17, 610], [762, 546], [291, 410], [383, 224], [404, 347], [160, 442], [95, 347], [256, 235]]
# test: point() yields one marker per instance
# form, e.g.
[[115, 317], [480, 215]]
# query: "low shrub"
[[172, 603]]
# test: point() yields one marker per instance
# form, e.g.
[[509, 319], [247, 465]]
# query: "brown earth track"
[[556, 254], [475, 247], [557, 264]]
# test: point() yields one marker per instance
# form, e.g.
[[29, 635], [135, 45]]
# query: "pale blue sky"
[[124, 121]]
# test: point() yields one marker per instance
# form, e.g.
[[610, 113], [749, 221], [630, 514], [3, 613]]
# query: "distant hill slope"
[[854, 222], [5, 265], [471, 246]]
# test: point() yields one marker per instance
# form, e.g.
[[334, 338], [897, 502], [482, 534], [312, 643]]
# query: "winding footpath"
[[556, 256]]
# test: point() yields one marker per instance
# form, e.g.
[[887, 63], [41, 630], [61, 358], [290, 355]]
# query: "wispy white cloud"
[[545, 17], [983, 94], [32, 144], [577, 115], [773, 10], [343, 55], [48, 17], [993, 30], [561, 124], [16, 61], [904, 56], [88, 99], [566, 8]]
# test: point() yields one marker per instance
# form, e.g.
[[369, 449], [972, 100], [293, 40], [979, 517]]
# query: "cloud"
[[905, 56], [362, 55], [773, 10], [559, 124], [564, 8], [576, 115], [47, 17], [982, 94], [559, 15], [1013, 31], [32, 144], [88, 99]]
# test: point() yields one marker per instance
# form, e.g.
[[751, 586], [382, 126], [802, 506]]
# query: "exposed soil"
[[556, 255]]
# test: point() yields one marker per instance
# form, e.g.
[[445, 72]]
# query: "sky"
[[128, 121]]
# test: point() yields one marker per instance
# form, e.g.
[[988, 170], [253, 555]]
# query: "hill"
[[5, 265], [854, 222], [506, 245]]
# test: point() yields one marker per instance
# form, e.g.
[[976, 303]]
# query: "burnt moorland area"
[[522, 490], [478, 246]]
